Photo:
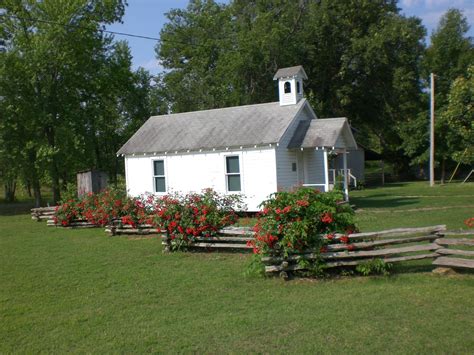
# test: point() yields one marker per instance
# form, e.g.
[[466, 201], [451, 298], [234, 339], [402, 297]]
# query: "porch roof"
[[323, 133]]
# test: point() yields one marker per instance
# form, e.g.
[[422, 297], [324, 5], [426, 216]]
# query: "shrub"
[[185, 217], [66, 212], [291, 222], [101, 209], [137, 210]]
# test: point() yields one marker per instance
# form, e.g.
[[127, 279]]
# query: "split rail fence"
[[392, 246], [451, 249], [43, 213], [228, 239]]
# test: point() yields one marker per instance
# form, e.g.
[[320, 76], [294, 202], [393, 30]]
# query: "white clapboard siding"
[[286, 178], [192, 172]]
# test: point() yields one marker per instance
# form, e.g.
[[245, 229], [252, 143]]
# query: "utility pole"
[[432, 122]]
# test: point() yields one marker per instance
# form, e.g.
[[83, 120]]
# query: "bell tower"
[[290, 84]]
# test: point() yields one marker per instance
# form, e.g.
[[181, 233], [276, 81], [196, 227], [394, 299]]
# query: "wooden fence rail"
[[366, 247], [425, 243], [455, 258], [43, 213]]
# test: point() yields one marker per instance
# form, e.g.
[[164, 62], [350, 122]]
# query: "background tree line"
[[69, 97], [364, 59]]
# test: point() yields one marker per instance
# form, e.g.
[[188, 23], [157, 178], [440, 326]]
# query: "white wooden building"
[[254, 150]]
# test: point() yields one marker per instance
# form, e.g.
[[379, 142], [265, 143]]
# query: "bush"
[[291, 222], [66, 212], [100, 209], [185, 217]]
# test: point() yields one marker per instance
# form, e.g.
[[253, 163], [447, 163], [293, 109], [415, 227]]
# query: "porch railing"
[[333, 173]]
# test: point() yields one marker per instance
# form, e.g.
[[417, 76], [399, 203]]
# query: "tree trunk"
[[28, 188], [50, 134], [443, 170], [55, 182], [37, 192], [34, 180], [10, 188]]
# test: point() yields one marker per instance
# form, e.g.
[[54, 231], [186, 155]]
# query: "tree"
[[448, 56], [362, 58], [69, 94], [459, 115]]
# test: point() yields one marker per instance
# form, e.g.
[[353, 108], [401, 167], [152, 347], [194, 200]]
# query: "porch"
[[318, 143]]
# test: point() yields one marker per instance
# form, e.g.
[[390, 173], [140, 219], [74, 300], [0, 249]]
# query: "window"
[[293, 166], [287, 87], [159, 175], [298, 87], [232, 173]]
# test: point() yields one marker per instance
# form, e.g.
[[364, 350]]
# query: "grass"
[[80, 291], [414, 204]]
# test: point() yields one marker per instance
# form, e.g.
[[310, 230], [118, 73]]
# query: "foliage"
[[362, 59], [67, 212], [102, 208], [375, 266], [291, 222], [449, 55], [99, 209], [185, 217], [70, 98], [459, 117]]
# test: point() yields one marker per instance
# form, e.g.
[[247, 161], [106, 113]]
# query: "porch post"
[[346, 182], [326, 170]]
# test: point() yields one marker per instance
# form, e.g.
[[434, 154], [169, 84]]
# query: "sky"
[[147, 17]]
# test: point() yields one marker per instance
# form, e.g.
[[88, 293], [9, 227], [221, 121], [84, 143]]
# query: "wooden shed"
[[91, 181]]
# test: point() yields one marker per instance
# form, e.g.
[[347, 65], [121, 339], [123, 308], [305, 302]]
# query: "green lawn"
[[414, 204], [81, 291]]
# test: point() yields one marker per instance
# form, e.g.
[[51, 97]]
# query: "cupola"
[[290, 84]]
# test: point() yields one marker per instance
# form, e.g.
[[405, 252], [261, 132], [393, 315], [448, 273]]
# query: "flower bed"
[[191, 216], [183, 217], [301, 221]]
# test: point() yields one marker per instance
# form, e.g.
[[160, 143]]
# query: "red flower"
[[302, 203], [344, 239], [323, 250], [287, 209], [469, 222], [327, 218], [330, 236], [350, 247]]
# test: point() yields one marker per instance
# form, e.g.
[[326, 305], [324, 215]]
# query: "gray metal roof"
[[227, 127], [290, 72], [323, 132]]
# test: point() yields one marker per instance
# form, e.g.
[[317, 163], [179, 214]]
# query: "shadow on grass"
[[391, 184], [383, 201], [16, 208]]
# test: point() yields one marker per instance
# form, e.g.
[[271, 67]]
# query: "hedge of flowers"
[[101, 209], [186, 217], [305, 219]]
